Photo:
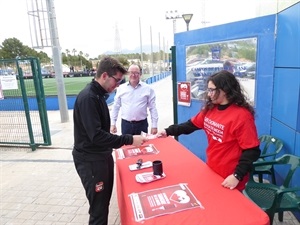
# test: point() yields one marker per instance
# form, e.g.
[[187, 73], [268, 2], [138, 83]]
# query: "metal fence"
[[23, 113]]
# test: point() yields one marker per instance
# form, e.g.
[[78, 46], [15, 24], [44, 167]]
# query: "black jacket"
[[92, 137]]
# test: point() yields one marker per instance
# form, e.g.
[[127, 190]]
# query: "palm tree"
[[80, 56], [68, 52], [74, 51]]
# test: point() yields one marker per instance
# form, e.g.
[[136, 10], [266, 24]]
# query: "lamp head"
[[187, 17]]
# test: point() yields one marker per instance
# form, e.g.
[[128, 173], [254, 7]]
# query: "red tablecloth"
[[221, 206]]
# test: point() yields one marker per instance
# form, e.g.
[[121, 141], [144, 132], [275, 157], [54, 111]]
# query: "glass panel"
[[236, 56]]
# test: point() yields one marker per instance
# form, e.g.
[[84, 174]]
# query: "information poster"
[[9, 82], [184, 93], [132, 151], [162, 201]]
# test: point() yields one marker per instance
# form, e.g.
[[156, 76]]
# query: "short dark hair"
[[111, 66]]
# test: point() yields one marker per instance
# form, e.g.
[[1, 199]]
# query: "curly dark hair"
[[226, 81]]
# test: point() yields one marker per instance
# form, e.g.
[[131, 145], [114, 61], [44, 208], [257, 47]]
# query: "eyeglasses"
[[134, 73], [211, 90], [118, 81]]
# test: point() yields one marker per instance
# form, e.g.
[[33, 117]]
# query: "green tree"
[[12, 48], [44, 58], [123, 60]]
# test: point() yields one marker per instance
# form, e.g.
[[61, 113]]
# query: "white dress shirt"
[[134, 102]]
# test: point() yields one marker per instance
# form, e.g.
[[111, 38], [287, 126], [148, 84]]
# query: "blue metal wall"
[[286, 101]]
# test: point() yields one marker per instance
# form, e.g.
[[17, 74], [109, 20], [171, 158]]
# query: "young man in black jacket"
[[93, 142]]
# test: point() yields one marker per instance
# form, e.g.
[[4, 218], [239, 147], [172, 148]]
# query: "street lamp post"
[[187, 18], [173, 15]]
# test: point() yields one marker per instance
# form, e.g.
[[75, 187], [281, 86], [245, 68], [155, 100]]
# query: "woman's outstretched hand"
[[162, 133]]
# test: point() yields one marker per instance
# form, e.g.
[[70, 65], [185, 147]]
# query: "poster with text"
[[162, 201], [9, 82], [184, 93]]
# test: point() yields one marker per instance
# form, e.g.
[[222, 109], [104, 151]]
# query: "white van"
[[48, 70]]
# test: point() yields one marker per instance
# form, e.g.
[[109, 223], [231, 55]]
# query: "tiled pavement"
[[43, 188]]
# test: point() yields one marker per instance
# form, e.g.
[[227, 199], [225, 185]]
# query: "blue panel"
[[198, 145], [264, 82], [288, 38], [290, 143], [297, 145], [286, 134], [298, 113], [286, 96], [230, 31]]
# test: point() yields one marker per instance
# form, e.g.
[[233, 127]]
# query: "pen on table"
[[139, 163]]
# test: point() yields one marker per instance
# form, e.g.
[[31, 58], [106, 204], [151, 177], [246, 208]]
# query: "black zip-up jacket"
[[92, 137]]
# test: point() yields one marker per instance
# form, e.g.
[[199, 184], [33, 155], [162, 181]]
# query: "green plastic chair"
[[270, 146], [273, 198]]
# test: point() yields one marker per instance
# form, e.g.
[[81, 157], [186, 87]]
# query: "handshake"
[[139, 140]]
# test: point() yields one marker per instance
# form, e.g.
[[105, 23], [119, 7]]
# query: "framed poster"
[[184, 93], [237, 56]]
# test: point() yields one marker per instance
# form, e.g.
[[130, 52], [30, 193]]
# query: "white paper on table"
[[149, 136], [143, 166], [148, 177], [133, 151]]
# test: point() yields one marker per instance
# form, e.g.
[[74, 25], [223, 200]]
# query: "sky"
[[90, 25]]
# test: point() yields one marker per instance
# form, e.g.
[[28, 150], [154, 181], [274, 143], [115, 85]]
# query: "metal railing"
[[23, 113]]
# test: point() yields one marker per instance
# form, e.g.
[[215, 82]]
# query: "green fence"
[[23, 113]]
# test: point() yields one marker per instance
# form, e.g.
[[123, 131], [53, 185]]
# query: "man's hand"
[[138, 140], [153, 130], [113, 129]]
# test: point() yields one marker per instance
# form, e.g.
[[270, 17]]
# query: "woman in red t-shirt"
[[228, 121]]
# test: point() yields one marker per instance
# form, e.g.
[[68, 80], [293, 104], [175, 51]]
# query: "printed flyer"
[[162, 201], [131, 151]]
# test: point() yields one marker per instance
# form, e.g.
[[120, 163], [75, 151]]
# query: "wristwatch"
[[237, 176]]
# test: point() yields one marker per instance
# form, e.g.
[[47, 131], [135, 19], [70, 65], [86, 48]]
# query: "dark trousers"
[[97, 178], [135, 127]]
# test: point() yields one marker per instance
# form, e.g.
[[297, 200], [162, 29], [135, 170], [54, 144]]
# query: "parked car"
[[48, 71], [6, 71], [251, 71], [245, 70]]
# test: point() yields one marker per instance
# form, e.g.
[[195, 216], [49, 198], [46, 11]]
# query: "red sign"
[[184, 93]]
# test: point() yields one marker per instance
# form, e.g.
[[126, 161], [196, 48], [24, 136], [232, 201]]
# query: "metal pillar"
[[57, 61]]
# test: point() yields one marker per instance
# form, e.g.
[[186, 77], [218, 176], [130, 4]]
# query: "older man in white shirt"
[[134, 98]]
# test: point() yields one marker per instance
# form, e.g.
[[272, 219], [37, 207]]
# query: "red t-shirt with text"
[[228, 132]]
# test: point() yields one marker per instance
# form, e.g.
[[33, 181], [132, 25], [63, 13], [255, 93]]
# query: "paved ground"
[[42, 187]]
